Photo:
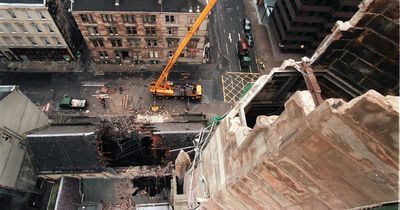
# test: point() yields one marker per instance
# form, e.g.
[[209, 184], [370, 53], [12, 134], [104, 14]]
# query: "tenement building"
[[28, 32], [139, 31], [300, 25]]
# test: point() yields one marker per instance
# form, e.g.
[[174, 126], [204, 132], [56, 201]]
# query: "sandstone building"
[[30, 31], [139, 31]]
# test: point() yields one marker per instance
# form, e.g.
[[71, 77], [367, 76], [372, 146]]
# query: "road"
[[226, 19], [43, 88]]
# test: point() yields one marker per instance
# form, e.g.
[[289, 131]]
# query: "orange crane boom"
[[162, 87]]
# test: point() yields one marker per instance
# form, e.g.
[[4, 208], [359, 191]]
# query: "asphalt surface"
[[227, 28]]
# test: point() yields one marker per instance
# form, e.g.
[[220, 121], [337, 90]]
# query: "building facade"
[[28, 32], [134, 32], [300, 25]]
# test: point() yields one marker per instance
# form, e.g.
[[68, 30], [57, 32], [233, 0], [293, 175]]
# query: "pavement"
[[268, 50]]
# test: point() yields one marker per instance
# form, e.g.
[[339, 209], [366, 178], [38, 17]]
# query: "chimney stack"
[[116, 2]]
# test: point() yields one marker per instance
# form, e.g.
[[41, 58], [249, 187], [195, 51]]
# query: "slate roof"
[[59, 148], [137, 5]]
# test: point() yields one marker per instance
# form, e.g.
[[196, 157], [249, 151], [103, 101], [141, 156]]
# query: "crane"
[[164, 88]]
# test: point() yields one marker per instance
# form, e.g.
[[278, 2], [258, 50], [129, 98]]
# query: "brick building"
[[30, 31], [139, 31], [300, 25]]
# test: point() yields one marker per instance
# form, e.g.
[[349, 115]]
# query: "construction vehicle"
[[164, 88]]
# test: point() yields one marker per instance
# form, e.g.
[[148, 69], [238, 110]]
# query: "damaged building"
[[321, 133]]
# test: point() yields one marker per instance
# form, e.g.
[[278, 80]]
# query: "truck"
[[243, 52], [162, 87], [68, 102]]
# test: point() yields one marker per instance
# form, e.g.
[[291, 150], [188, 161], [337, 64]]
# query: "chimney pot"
[[116, 2]]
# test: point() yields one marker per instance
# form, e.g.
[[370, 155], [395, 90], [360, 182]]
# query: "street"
[[227, 25], [226, 28]]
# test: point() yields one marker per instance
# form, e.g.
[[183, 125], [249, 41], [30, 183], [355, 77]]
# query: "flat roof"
[[21, 2], [137, 5]]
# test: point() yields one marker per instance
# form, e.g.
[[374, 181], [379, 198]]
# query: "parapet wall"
[[338, 155]]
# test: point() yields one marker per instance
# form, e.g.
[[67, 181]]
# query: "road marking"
[[224, 30], [230, 37], [233, 31], [231, 19], [230, 68], [240, 68], [222, 18], [237, 7], [250, 69], [227, 51], [239, 36]]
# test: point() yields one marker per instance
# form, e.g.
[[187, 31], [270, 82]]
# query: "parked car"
[[250, 39], [243, 52], [246, 25]]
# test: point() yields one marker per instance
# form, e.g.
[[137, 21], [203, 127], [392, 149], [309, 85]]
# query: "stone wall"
[[334, 156]]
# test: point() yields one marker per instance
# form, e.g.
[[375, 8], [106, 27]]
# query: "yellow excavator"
[[164, 88]]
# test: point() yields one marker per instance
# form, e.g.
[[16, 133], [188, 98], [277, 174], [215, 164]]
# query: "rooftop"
[[137, 5], [5, 90]]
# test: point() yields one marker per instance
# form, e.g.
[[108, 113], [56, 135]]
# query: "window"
[[28, 15], [151, 42], [57, 41], [131, 30], [128, 18], [97, 42], [153, 54], [12, 14], [172, 42], [22, 27], [49, 28], [9, 27], [170, 19], [41, 15], [20, 41], [134, 42], [112, 30], [9, 41], [193, 43], [87, 18], [149, 19], [137, 54], [191, 19], [45, 41], [93, 30], [36, 27], [170, 54], [172, 31], [32, 41], [116, 42], [191, 54], [108, 18], [103, 54], [150, 30]]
